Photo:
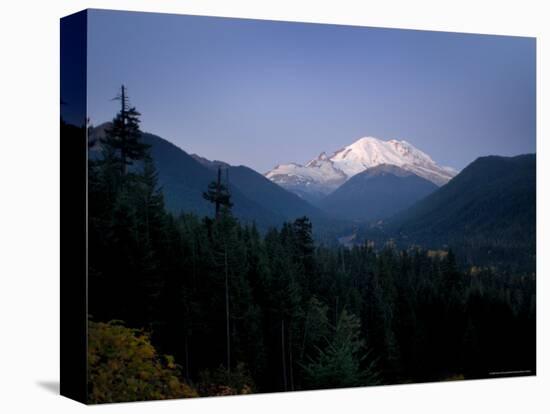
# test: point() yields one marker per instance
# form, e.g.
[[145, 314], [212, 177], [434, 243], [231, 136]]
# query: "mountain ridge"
[[376, 193], [184, 176], [487, 212]]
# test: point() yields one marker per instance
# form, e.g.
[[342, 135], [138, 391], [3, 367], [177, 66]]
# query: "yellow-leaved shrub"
[[124, 366]]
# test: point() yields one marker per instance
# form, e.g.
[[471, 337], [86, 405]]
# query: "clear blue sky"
[[260, 93]]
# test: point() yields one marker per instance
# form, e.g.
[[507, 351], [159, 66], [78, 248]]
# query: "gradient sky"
[[260, 93]]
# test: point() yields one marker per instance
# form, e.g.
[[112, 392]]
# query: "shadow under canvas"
[[51, 386]]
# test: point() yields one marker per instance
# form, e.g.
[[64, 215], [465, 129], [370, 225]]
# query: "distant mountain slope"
[[269, 195], [376, 193], [184, 177], [183, 181], [210, 164], [324, 174], [266, 193], [489, 208]]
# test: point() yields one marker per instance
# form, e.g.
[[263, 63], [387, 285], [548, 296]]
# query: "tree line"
[[243, 311]]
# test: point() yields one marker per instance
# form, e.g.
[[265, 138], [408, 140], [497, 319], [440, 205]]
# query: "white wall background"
[[29, 204]]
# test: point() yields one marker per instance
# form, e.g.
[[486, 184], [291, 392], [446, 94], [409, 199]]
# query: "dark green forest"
[[241, 310]]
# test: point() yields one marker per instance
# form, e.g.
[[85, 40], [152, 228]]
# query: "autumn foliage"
[[124, 366]]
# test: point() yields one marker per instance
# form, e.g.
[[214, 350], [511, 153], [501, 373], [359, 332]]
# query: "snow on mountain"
[[324, 174], [369, 152], [311, 181]]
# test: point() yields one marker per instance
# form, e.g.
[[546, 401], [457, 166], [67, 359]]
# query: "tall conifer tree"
[[218, 194], [124, 135]]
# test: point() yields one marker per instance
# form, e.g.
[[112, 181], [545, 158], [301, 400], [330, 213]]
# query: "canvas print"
[[278, 206]]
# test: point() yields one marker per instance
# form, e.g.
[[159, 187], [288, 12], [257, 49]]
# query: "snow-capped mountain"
[[323, 174]]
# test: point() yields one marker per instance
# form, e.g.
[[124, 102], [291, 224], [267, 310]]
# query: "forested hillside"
[[487, 212]]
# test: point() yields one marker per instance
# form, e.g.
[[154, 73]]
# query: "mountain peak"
[[367, 140], [318, 162], [325, 173]]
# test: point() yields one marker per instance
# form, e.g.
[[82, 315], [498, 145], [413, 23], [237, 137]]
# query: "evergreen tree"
[[219, 195], [341, 362], [123, 139]]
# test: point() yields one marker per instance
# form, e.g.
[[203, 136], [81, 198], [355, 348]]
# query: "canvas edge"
[[73, 207]]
